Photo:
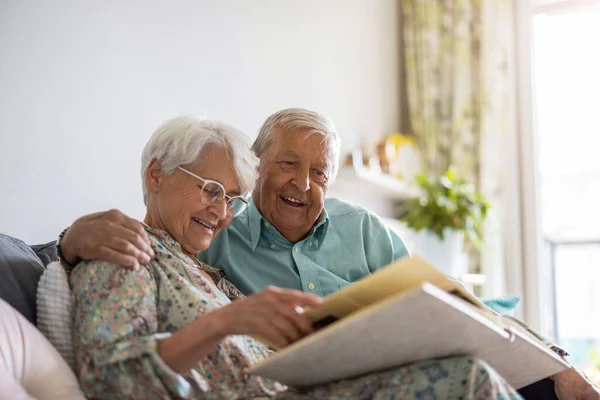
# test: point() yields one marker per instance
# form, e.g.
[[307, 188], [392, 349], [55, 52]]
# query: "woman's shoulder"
[[103, 275]]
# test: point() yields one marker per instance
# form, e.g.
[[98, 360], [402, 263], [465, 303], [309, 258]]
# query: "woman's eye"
[[210, 192]]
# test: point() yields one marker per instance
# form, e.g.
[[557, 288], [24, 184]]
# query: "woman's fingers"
[[287, 327], [272, 336], [295, 315], [273, 314], [284, 308]]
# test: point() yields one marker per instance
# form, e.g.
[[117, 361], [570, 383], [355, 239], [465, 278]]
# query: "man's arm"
[[382, 246], [573, 384], [110, 236]]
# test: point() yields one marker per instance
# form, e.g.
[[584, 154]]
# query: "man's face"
[[292, 183]]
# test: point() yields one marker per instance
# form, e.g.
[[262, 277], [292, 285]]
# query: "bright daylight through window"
[[567, 96]]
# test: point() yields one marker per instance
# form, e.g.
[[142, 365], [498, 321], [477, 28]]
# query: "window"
[[567, 97]]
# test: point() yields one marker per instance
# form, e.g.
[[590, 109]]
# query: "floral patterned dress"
[[121, 314]]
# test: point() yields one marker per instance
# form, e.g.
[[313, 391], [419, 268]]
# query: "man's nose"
[[302, 180]]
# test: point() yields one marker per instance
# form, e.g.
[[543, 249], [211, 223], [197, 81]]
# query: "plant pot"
[[448, 255]]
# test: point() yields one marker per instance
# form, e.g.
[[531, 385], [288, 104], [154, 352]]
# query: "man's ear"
[[154, 176]]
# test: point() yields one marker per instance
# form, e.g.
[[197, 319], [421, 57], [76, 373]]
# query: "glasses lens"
[[237, 206], [212, 193]]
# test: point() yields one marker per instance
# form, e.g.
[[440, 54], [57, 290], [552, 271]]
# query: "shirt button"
[[309, 244], [272, 247], [295, 248], [311, 286]]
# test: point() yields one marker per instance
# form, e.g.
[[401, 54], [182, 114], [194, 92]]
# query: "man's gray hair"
[[180, 140], [292, 119]]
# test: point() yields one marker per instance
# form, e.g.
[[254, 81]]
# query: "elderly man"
[[290, 236]]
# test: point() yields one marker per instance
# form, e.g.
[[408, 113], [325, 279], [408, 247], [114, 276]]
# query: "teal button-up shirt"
[[346, 243]]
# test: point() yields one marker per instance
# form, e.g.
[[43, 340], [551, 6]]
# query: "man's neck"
[[293, 236]]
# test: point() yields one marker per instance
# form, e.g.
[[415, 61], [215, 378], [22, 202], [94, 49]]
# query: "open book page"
[[519, 360], [420, 324], [399, 277]]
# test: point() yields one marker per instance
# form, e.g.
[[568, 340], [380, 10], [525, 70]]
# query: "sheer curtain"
[[459, 58]]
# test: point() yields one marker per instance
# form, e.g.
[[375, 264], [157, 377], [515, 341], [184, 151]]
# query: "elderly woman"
[[169, 329]]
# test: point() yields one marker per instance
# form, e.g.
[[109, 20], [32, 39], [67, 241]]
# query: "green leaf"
[[446, 202]]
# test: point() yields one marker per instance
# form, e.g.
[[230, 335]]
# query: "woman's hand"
[[110, 236], [274, 315]]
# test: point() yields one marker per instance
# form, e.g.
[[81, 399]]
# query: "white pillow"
[[55, 310]]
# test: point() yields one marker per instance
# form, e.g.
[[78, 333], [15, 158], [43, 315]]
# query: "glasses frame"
[[229, 199]]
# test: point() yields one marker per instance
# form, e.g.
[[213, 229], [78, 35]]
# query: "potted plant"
[[447, 211]]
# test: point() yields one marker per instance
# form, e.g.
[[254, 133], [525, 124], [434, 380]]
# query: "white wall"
[[83, 85]]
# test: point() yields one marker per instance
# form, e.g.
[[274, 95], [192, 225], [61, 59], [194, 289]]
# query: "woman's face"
[[175, 202]]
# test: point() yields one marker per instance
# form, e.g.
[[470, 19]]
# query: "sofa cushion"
[[20, 271], [45, 252], [55, 310]]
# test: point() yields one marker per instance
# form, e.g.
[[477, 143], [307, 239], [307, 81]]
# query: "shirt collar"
[[257, 222], [216, 274], [164, 237]]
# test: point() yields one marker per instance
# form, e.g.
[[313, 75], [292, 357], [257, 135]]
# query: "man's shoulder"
[[338, 208], [239, 225], [239, 230]]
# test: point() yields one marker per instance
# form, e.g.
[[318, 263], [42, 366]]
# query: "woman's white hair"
[[180, 140], [293, 119]]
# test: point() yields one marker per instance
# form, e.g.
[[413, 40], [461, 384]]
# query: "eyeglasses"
[[213, 193]]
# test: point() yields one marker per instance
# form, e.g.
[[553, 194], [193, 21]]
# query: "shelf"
[[378, 183]]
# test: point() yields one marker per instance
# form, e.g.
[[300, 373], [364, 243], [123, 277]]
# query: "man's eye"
[[288, 163], [319, 173], [320, 176]]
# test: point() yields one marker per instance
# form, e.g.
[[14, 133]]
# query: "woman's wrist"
[[185, 348], [219, 322]]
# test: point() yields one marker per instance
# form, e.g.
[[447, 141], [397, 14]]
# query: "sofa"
[[21, 267]]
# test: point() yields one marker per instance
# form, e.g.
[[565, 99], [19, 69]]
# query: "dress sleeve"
[[115, 336]]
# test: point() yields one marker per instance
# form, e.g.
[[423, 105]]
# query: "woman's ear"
[[154, 176]]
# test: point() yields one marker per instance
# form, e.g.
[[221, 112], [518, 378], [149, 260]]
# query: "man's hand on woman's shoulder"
[[110, 236]]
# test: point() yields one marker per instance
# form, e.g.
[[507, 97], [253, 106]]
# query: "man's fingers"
[[135, 239], [122, 220], [125, 247], [136, 227], [115, 257]]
